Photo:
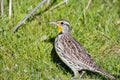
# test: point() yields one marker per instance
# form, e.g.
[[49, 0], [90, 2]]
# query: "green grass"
[[24, 56]]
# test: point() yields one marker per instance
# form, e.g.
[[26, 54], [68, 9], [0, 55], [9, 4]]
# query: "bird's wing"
[[76, 51]]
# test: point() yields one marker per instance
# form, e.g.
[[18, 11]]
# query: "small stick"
[[2, 8], [27, 16], [65, 1], [10, 8], [84, 15], [88, 4], [48, 2]]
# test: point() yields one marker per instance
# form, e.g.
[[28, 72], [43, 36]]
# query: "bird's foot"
[[83, 72]]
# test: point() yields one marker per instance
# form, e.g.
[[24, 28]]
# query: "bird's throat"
[[59, 29]]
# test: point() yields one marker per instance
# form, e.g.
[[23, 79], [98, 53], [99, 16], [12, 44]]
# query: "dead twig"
[[64, 1], [48, 2], [88, 4], [27, 16], [10, 8], [2, 8], [84, 15]]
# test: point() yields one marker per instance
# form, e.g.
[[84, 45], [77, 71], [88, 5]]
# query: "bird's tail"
[[101, 71]]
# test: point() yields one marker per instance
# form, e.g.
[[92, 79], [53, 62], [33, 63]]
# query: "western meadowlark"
[[72, 53]]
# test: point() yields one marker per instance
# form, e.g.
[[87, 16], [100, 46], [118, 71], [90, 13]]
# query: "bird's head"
[[63, 25]]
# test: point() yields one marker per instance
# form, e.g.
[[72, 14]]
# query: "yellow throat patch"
[[59, 29]]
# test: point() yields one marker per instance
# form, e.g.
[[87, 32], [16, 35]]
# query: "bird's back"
[[73, 53]]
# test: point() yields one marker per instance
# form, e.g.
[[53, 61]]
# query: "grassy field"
[[28, 54]]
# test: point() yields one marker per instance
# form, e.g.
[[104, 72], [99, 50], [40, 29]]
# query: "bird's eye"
[[62, 23]]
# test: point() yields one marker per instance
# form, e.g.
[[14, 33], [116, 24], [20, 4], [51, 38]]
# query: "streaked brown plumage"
[[72, 53]]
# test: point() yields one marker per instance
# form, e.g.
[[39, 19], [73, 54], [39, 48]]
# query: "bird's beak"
[[54, 22], [59, 27]]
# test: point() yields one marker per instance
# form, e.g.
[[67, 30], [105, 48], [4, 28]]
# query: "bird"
[[72, 53]]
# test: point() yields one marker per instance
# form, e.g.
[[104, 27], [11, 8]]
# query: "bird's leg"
[[83, 72], [76, 75]]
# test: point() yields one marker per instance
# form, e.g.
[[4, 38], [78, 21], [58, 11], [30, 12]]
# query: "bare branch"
[[48, 2], [27, 16], [84, 15], [10, 8], [2, 8], [64, 1], [88, 4]]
